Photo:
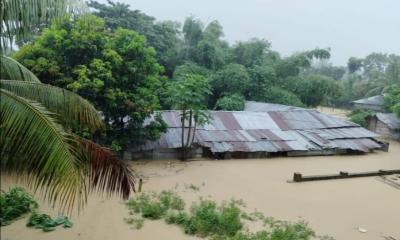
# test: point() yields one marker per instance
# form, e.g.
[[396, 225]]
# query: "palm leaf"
[[107, 172], [33, 144], [22, 17], [11, 69], [70, 107]]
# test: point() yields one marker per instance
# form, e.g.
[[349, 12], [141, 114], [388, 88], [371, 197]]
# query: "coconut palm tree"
[[37, 143]]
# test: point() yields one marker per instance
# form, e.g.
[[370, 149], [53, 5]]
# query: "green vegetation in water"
[[136, 222], [208, 219], [46, 223], [15, 203], [155, 205]]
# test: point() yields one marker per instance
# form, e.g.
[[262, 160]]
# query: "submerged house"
[[385, 124], [255, 134], [374, 103]]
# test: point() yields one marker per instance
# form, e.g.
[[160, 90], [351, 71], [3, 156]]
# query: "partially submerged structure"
[[385, 124], [374, 103], [254, 134]]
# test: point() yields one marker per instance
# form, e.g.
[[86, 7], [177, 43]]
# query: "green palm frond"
[[22, 17], [69, 106], [107, 172], [11, 69], [32, 143]]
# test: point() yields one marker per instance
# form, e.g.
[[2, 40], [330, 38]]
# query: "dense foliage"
[[370, 76], [127, 61], [360, 117], [15, 203], [114, 70], [188, 94], [249, 68], [392, 99], [207, 219]]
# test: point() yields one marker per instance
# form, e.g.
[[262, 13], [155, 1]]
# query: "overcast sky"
[[348, 27]]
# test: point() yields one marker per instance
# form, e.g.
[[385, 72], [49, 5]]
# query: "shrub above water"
[[14, 204]]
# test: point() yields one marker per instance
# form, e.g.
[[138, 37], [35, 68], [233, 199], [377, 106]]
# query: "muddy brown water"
[[334, 207]]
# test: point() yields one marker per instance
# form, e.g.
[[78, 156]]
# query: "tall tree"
[[188, 94], [114, 70], [163, 36]]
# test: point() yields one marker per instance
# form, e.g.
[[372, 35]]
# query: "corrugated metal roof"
[[271, 131], [390, 119], [377, 100], [266, 107]]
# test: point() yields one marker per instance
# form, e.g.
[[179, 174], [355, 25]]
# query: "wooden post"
[[297, 177], [140, 185]]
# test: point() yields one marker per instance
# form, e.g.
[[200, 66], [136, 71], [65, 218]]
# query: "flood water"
[[335, 207]]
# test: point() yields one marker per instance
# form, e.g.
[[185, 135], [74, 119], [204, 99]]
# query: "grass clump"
[[155, 206], [137, 223], [276, 230], [46, 223], [15, 203], [207, 219]]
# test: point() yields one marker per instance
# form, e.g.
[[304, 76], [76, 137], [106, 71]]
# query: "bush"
[[234, 102], [154, 206], [14, 204], [204, 220], [217, 222], [360, 117], [280, 96], [136, 222], [178, 218]]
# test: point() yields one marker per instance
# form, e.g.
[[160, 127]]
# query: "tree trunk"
[[187, 144], [183, 134]]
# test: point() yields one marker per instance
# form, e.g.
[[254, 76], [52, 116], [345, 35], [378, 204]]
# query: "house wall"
[[381, 128], [163, 153]]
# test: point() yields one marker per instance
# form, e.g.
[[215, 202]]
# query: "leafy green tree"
[[360, 117], [37, 143], [314, 89], [354, 64], [189, 94], [192, 35], [232, 78], [261, 79], [293, 65], [163, 36], [281, 96], [190, 68], [234, 102], [328, 70], [250, 53], [114, 70], [392, 99]]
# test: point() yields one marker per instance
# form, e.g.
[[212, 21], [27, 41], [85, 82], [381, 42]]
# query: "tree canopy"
[[115, 70]]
